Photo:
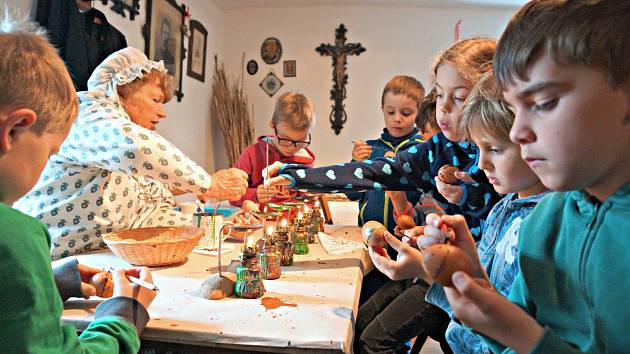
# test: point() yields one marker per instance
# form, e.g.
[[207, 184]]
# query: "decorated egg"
[[374, 234], [446, 174], [103, 283], [441, 261]]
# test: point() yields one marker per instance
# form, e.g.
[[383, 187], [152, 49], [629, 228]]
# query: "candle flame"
[[317, 203], [283, 223], [299, 215], [269, 230]]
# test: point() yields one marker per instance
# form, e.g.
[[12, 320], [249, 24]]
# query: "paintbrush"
[[142, 283]]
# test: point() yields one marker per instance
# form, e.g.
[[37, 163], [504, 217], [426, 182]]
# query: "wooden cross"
[[338, 52]]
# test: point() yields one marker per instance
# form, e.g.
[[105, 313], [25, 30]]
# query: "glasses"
[[288, 142]]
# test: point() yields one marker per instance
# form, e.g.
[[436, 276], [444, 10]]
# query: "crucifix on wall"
[[338, 52]]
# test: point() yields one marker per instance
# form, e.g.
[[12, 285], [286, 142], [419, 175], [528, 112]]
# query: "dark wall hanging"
[[119, 6], [164, 38], [271, 84], [338, 52], [252, 67], [197, 44], [290, 69], [271, 50]]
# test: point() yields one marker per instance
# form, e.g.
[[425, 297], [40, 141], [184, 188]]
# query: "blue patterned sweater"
[[374, 204], [498, 254], [412, 170]]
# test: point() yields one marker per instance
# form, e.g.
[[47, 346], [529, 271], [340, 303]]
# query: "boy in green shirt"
[[38, 104], [564, 67]]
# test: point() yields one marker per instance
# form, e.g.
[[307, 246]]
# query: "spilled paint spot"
[[271, 303]]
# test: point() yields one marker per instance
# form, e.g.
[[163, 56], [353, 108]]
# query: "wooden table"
[[325, 288]]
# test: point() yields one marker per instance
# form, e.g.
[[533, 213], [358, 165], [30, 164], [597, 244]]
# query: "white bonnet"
[[120, 68]]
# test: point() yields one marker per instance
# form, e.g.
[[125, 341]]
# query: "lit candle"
[[269, 230], [306, 209], [317, 203], [299, 215], [283, 223]]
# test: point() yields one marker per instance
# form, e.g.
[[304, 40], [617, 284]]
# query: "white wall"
[[188, 124], [398, 39]]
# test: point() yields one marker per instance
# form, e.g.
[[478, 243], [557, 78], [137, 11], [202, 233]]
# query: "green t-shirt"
[[30, 303]]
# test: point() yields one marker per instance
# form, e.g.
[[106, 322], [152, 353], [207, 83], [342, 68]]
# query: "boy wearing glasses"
[[291, 123]]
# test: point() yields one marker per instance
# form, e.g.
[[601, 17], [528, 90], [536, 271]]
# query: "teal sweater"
[[31, 305], [575, 260]]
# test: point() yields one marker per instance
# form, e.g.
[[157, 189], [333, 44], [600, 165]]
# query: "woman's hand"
[[361, 150], [229, 184], [408, 264], [270, 173], [124, 287]]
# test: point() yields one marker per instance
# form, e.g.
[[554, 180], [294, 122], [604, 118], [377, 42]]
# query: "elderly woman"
[[114, 171]]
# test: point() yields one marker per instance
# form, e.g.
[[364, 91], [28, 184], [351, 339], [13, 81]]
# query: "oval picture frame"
[[271, 50], [252, 67]]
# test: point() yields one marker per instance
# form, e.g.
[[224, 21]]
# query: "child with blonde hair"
[[38, 104], [564, 68], [291, 123]]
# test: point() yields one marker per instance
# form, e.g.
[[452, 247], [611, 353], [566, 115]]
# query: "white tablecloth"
[[324, 286]]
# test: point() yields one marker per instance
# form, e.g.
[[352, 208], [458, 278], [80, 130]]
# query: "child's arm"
[[244, 163], [405, 172]]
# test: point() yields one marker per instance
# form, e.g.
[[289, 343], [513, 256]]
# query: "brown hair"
[[591, 33], [472, 57], [294, 109], [404, 85], [426, 112], [164, 80], [485, 112], [32, 75]]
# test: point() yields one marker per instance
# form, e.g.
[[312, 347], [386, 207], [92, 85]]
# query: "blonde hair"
[[163, 80], [294, 109], [426, 112], [404, 85], [593, 33], [32, 75], [485, 112], [472, 57]]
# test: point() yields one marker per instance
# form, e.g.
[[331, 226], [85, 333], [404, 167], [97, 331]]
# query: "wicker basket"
[[154, 246]]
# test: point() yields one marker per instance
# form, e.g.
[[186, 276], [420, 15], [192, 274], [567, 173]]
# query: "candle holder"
[[300, 240], [249, 275], [269, 256]]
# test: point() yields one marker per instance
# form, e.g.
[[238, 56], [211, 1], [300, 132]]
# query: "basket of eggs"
[[154, 246]]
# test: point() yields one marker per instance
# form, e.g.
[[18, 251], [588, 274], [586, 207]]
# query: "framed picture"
[[165, 39], [289, 68], [271, 50], [252, 67], [197, 51], [119, 6], [271, 84]]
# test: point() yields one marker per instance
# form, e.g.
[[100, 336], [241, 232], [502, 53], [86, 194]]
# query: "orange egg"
[[405, 222], [446, 174], [442, 260], [374, 234], [103, 283]]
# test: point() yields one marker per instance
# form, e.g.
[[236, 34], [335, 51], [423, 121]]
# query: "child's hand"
[[265, 194], [407, 265], [123, 287], [452, 193], [411, 236], [480, 307], [459, 237], [273, 179], [361, 150], [87, 273]]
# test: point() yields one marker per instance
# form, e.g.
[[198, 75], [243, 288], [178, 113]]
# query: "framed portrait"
[[197, 43], [271, 50], [164, 39], [252, 67], [289, 68], [271, 84], [120, 6]]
